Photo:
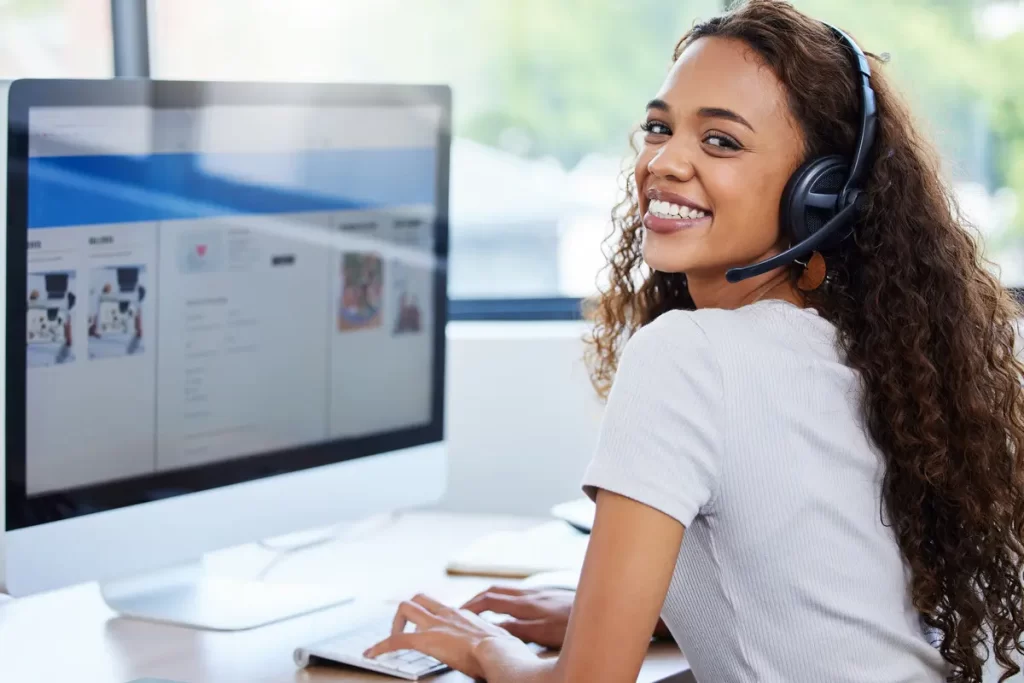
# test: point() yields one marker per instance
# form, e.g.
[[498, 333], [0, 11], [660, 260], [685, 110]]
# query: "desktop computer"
[[225, 321]]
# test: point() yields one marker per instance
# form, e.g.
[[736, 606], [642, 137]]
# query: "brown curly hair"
[[930, 331]]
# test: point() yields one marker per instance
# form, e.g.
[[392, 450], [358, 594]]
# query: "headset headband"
[[868, 116]]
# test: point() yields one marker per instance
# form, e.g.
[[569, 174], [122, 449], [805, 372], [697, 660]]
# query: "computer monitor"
[[225, 321]]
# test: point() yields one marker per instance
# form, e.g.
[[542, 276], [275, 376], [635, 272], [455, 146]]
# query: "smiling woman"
[[783, 472], [697, 146]]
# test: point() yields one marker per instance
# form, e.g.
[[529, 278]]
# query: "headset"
[[821, 201]]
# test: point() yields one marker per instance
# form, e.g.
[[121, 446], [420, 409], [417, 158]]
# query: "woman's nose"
[[671, 163]]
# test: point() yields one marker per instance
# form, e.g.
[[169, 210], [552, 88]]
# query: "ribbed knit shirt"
[[746, 427]]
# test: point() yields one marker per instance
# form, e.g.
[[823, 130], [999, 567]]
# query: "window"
[[546, 93], [959, 63], [55, 39]]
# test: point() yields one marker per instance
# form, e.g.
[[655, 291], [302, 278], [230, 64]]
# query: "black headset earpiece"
[[821, 200], [811, 196]]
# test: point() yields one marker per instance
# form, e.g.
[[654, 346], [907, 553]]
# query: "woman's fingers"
[[399, 641], [520, 607], [450, 636], [430, 604], [411, 613], [499, 590], [509, 590]]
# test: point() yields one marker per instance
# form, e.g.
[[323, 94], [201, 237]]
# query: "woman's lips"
[[666, 226]]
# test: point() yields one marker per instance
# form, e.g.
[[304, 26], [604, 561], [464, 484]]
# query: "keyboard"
[[348, 649]]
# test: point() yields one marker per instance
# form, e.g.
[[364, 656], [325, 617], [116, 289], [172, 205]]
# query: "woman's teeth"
[[668, 210]]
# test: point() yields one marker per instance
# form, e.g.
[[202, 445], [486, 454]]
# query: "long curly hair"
[[930, 331]]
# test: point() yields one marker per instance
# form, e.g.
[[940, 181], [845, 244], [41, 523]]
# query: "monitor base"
[[185, 598]]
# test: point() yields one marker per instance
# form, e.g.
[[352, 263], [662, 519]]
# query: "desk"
[[70, 635]]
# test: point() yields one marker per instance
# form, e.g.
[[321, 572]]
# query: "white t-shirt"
[[745, 426]]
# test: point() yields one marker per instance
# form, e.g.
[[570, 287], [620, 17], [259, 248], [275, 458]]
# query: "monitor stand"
[[185, 597]]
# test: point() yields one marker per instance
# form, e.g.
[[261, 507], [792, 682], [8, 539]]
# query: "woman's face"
[[719, 147]]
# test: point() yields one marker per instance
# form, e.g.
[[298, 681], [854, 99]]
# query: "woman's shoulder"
[[713, 325], [675, 344], [715, 334], [675, 330]]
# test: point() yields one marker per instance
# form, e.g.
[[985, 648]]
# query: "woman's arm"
[[626, 574]]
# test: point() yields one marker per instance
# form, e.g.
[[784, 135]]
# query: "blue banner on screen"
[[90, 190]]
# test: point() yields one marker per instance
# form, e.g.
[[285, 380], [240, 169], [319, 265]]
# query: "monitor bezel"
[[25, 511]]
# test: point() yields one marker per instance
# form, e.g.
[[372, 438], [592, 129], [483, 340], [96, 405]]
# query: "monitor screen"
[[221, 291]]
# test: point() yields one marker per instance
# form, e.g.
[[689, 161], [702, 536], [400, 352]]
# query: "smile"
[[667, 217], [662, 209]]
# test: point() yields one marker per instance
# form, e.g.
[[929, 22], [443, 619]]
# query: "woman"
[[809, 480]]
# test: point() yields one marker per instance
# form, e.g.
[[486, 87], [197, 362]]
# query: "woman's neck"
[[715, 291]]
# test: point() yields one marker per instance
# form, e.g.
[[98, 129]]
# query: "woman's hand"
[[537, 616], [458, 638]]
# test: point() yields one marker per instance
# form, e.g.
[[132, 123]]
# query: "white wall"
[[522, 418]]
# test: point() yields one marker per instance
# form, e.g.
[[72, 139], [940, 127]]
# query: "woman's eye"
[[656, 128], [721, 141]]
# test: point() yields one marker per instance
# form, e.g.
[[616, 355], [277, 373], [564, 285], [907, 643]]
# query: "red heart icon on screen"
[[201, 249]]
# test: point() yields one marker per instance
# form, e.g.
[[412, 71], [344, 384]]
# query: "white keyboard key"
[[410, 656], [414, 668]]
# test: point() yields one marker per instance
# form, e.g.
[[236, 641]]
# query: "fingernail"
[[368, 654]]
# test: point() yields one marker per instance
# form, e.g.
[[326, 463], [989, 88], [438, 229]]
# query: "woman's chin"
[[658, 257]]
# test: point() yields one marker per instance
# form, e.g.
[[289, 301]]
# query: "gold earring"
[[814, 273]]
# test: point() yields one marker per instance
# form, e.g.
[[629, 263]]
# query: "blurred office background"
[[546, 93]]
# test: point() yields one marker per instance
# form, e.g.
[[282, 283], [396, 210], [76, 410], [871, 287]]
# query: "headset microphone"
[[823, 198], [818, 240]]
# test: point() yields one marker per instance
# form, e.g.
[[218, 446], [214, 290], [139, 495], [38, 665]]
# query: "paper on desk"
[[554, 546]]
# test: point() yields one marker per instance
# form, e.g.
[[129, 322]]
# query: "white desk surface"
[[70, 635]]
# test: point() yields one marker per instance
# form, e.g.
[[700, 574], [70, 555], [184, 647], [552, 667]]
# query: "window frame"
[[132, 57], [129, 23], [533, 309]]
